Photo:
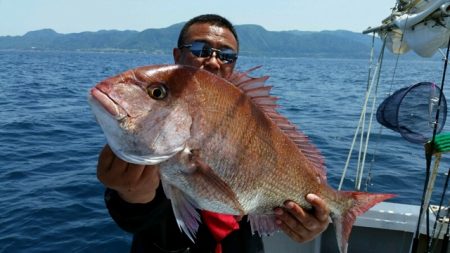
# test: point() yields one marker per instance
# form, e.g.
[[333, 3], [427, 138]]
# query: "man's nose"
[[212, 63]]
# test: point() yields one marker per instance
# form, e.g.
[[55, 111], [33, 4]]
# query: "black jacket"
[[155, 229]]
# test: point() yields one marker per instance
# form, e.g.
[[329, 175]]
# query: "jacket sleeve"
[[135, 218]]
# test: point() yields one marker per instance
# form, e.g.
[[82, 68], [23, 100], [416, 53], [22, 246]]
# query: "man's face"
[[215, 37]]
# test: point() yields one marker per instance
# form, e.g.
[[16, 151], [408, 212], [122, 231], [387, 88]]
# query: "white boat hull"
[[387, 228]]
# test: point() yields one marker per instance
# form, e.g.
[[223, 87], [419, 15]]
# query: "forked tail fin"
[[343, 223]]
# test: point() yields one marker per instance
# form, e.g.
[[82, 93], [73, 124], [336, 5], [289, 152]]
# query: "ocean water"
[[50, 199]]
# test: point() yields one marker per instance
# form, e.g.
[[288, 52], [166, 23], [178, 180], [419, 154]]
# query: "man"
[[135, 198]]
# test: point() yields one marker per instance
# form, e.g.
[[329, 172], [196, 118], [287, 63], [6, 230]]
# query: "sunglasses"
[[203, 50]]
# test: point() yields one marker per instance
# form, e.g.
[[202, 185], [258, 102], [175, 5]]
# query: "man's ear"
[[176, 55]]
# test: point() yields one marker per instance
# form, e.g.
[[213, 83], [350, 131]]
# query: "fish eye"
[[157, 91]]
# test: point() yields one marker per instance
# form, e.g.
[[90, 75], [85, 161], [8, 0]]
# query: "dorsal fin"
[[257, 90]]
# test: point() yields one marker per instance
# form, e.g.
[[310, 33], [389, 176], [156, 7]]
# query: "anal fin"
[[264, 224]]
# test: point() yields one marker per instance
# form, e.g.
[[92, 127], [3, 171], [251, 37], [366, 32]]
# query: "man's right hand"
[[134, 183]]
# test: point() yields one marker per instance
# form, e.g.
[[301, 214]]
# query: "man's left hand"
[[300, 225]]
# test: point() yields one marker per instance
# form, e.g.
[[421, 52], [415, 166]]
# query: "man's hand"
[[300, 225], [134, 183]]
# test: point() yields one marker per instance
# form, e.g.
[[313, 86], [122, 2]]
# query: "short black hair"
[[212, 19]]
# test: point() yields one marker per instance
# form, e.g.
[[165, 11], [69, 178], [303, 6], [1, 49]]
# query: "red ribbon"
[[220, 225]]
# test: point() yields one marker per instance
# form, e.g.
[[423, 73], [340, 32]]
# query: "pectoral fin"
[[218, 190]]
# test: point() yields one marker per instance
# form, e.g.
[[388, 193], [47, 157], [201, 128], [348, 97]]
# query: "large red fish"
[[221, 147]]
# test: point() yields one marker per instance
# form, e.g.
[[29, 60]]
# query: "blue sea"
[[50, 199]]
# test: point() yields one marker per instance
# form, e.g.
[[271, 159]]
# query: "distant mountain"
[[254, 41]]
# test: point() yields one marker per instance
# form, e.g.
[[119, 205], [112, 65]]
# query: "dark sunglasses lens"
[[200, 49], [227, 57]]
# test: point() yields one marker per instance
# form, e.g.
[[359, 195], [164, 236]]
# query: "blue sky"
[[67, 16]]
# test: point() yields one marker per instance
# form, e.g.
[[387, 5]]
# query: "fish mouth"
[[98, 98], [145, 159], [109, 116]]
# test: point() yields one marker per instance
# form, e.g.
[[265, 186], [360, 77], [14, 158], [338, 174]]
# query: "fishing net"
[[411, 111]]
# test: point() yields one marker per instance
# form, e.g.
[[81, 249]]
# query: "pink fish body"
[[220, 146]]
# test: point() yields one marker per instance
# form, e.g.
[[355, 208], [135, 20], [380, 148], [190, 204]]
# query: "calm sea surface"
[[50, 199]]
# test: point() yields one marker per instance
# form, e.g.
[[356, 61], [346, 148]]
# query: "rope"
[[360, 165], [369, 128], [363, 148], [359, 171], [375, 79], [394, 74]]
